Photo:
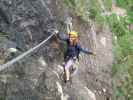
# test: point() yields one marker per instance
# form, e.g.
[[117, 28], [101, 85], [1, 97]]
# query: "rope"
[[68, 23], [94, 43], [2, 67]]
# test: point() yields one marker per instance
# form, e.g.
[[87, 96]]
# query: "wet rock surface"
[[38, 76]]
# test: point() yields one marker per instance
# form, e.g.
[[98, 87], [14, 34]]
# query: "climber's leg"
[[68, 64]]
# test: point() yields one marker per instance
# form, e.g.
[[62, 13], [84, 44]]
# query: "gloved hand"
[[53, 31], [56, 31]]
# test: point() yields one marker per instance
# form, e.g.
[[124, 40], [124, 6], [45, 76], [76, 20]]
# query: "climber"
[[72, 51]]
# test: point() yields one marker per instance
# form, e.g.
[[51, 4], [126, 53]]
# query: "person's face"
[[71, 38]]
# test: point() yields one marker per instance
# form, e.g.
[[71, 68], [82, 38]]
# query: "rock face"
[[39, 75]]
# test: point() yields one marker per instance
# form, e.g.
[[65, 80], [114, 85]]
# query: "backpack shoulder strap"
[[77, 51]]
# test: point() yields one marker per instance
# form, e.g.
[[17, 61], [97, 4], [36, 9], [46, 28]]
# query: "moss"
[[2, 98]]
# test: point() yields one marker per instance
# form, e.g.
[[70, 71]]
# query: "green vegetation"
[[3, 35], [123, 40], [2, 98], [123, 50], [127, 4], [88, 9]]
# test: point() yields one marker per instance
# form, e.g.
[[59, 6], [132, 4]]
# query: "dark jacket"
[[73, 51]]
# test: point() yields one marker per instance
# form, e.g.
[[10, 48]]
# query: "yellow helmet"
[[73, 33]]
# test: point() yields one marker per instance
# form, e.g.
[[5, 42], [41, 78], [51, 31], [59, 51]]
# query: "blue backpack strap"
[[77, 51]]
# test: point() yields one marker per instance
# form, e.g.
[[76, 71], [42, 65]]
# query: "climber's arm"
[[60, 35], [87, 51], [63, 36]]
